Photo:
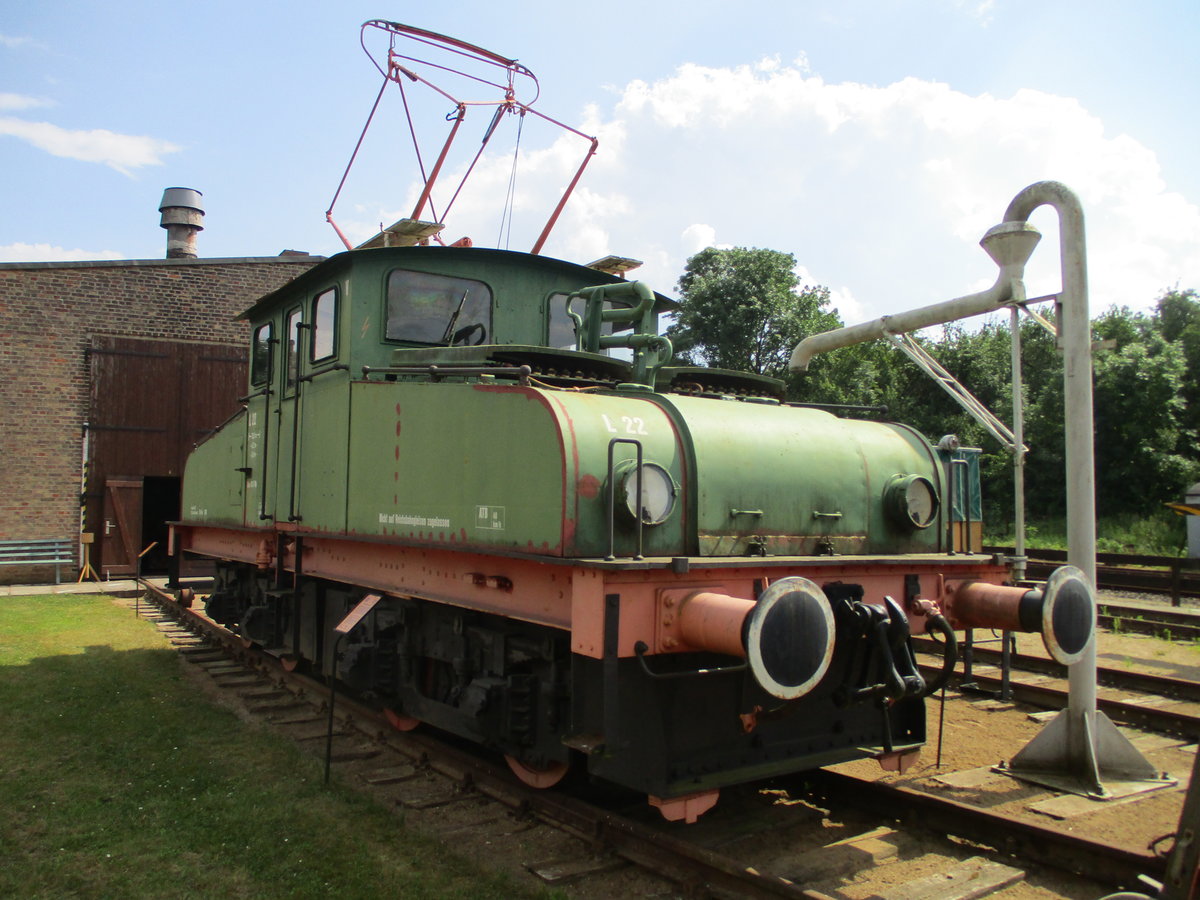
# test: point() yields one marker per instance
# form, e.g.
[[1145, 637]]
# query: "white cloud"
[[20, 252], [884, 190], [122, 152], [9, 41], [982, 10], [840, 298], [12, 102], [698, 237]]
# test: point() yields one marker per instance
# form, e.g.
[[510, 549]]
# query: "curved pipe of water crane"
[[1076, 338], [1009, 244], [984, 301]]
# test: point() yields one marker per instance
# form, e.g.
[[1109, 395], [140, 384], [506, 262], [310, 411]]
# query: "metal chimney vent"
[[183, 216]]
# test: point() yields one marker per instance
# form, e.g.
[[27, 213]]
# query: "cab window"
[[260, 355], [292, 360], [562, 329], [437, 309], [324, 330]]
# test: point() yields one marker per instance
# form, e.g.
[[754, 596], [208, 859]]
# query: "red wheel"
[[186, 596], [537, 776], [400, 722], [288, 663]]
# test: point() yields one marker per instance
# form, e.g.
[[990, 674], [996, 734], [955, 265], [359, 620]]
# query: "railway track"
[[1173, 576], [1043, 683], [595, 837], [1167, 623], [1119, 679]]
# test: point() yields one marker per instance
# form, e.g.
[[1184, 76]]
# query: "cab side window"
[[324, 326], [260, 355], [292, 357], [437, 309], [561, 330]]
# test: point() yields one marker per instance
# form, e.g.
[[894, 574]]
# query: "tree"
[[1138, 411], [1178, 320], [745, 309]]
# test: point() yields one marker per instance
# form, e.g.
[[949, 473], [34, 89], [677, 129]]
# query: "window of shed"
[[260, 351], [324, 335], [437, 309]]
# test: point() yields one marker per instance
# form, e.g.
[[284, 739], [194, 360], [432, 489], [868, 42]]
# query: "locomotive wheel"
[[543, 776], [400, 722], [186, 596], [288, 662]]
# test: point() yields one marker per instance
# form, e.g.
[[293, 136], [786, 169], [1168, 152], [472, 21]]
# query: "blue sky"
[[876, 141]]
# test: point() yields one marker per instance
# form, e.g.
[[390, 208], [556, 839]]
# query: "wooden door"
[[121, 530]]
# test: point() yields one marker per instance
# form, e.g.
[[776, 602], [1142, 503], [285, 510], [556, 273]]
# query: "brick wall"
[[48, 313]]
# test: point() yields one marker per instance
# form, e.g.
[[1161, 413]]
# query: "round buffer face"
[[789, 637], [1068, 615]]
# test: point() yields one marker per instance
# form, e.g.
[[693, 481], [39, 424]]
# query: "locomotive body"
[[667, 575]]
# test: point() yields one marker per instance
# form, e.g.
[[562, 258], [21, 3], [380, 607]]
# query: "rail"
[[1174, 575], [1118, 679]]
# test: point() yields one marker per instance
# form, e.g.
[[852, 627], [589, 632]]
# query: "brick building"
[[116, 369]]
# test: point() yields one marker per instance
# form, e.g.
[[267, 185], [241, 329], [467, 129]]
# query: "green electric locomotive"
[[584, 556]]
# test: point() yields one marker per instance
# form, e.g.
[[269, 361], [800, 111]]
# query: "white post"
[[1018, 449]]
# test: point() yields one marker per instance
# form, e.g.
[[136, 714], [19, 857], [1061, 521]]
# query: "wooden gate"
[[151, 401]]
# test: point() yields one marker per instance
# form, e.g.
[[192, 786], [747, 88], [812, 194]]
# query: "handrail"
[[641, 647], [336, 367], [437, 372], [612, 497]]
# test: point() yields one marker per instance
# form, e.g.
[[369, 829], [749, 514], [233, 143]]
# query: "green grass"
[[118, 780], [1162, 534]]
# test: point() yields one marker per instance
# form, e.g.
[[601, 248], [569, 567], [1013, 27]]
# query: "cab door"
[[287, 422], [261, 430]]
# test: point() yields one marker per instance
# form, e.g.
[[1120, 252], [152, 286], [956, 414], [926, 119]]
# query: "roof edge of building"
[[130, 263]]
